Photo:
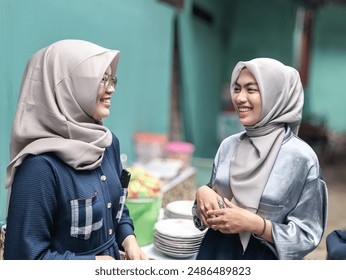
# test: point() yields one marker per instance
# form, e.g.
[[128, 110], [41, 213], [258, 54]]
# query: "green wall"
[[328, 67], [141, 30], [201, 50], [260, 29]]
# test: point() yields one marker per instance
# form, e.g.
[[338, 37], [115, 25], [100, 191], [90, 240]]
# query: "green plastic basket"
[[144, 213]]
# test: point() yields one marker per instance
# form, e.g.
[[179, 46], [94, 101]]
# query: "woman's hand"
[[231, 219], [207, 199], [234, 219], [132, 249], [104, 257]]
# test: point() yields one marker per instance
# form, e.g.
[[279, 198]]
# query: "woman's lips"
[[106, 101]]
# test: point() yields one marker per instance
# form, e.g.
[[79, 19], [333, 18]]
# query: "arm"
[[32, 212], [206, 199], [234, 219], [305, 224], [126, 237], [124, 229], [295, 237]]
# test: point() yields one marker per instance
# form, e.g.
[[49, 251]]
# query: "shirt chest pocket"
[[86, 216]]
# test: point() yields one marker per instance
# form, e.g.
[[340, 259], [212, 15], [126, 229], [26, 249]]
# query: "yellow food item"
[[143, 184]]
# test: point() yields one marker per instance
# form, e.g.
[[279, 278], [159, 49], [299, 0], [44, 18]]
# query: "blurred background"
[[175, 65]]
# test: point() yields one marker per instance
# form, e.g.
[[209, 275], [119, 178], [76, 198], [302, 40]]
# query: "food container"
[[149, 146], [180, 150], [144, 203], [144, 213]]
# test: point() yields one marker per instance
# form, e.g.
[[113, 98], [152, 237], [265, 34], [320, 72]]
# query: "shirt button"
[[103, 178], [110, 231], [109, 205]]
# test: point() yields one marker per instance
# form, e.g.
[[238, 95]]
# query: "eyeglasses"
[[109, 81]]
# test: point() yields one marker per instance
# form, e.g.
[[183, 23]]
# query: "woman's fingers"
[[229, 204], [207, 202], [205, 208]]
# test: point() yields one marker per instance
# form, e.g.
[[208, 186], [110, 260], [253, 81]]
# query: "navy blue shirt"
[[57, 212]]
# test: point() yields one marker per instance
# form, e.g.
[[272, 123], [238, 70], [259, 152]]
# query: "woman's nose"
[[110, 89], [241, 97]]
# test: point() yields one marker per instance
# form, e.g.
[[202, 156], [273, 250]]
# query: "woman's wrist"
[[264, 228], [259, 225], [128, 241]]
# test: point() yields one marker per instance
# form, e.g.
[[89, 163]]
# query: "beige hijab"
[[282, 103], [56, 104]]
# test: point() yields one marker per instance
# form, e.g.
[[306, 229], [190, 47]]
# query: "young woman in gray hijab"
[[66, 199], [266, 198]]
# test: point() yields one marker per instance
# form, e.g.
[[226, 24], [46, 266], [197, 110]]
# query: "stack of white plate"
[[177, 238], [180, 209]]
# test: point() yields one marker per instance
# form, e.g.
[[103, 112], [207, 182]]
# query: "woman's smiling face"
[[246, 98], [103, 101]]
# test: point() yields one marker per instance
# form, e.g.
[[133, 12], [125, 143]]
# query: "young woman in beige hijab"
[[266, 198], [67, 200]]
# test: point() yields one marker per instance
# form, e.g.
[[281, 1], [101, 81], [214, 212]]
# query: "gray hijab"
[[282, 103], [56, 104]]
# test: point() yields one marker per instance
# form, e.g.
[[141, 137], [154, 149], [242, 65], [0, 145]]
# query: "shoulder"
[[298, 147], [301, 154], [113, 151], [46, 164], [115, 140], [41, 162], [231, 141], [115, 143], [37, 169], [112, 154], [227, 147]]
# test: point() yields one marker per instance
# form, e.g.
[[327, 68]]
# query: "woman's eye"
[[236, 90], [252, 90]]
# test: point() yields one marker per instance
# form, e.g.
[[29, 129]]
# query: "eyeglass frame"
[[109, 80]]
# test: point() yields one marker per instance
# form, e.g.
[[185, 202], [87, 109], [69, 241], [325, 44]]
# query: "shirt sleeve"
[[196, 217], [31, 214], [125, 225], [305, 225]]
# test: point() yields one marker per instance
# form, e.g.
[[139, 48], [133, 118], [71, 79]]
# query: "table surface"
[[155, 254], [182, 176]]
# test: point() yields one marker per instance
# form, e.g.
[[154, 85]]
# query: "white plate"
[[181, 228], [174, 249], [180, 207], [173, 254], [174, 239], [170, 215], [178, 245]]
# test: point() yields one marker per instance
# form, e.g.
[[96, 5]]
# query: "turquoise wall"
[[260, 29], [328, 67], [202, 51], [141, 30]]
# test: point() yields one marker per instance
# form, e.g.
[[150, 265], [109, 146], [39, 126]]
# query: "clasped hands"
[[230, 219]]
